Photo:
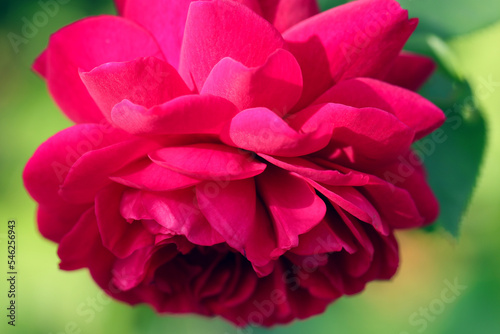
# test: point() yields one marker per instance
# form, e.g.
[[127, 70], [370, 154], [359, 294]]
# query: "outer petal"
[[410, 71], [208, 162], [51, 162], [56, 220], [409, 174], [91, 172], [76, 247], [412, 109], [360, 38], [276, 85], [144, 81], [358, 263], [394, 203], [372, 136], [387, 256], [40, 64], [283, 14], [49, 166], [184, 115], [70, 49], [218, 29]]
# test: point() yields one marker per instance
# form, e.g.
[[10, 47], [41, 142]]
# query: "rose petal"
[[273, 285], [358, 263], [402, 213], [177, 212], [319, 240], [183, 115], [130, 271], [315, 172], [57, 219], [408, 173], [145, 81], [276, 85], [235, 213], [214, 279], [240, 289], [410, 71], [120, 5], [119, 236], [40, 64], [292, 203], [50, 164], [91, 172], [132, 208], [76, 246], [373, 137], [113, 39], [351, 200], [360, 38], [262, 131], [388, 249], [208, 162], [218, 29], [283, 14], [409, 107], [147, 175], [322, 286], [252, 4], [166, 18]]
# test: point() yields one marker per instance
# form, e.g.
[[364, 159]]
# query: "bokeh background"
[[466, 40]]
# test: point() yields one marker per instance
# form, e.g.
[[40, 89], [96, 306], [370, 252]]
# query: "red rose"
[[247, 159]]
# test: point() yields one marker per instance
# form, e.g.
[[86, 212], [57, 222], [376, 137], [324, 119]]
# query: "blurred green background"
[[54, 301]]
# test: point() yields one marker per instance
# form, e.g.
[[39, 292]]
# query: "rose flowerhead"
[[248, 159]]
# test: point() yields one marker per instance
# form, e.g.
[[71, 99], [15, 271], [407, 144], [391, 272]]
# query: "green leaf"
[[453, 154]]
